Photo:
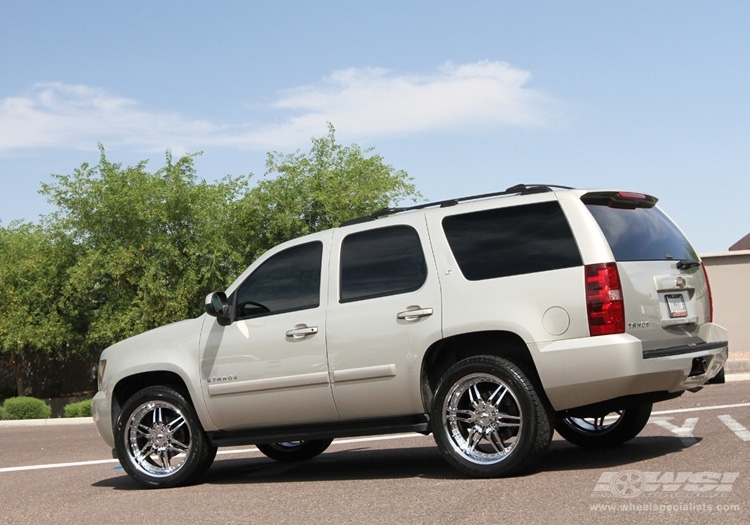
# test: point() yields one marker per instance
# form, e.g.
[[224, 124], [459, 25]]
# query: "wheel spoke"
[[502, 395], [507, 420], [464, 416], [474, 395], [473, 439], [164, 457], [179, 446], [177, 423], [497, 442]]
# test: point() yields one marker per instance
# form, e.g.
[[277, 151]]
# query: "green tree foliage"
[[150, 245], [32, 280], [308, 192], [129, 249]]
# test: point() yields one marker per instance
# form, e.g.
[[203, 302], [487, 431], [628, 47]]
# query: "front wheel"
[[159, 441], [488, 420], [291, 451], [604, 430]]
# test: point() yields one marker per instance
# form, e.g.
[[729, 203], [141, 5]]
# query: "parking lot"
[[688, 466]]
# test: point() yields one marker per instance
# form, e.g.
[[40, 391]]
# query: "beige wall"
[[729, 275]]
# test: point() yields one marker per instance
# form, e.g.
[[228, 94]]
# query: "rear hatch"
[[664, 286]]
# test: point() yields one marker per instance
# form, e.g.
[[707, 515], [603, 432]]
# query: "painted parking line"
[[235, 451], [252, 450]]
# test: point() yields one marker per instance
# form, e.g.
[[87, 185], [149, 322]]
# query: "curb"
[[738, 366], [58, 421]]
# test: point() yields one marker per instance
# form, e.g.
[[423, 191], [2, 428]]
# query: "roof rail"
[[518, 189]]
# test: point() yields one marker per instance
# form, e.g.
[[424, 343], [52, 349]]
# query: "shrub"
[[79, 409], [2, 413], [26, 408]]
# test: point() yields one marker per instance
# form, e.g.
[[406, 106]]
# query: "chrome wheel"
[[488, 420], [158, 438], [290, 451], [604, 430], [595, 424], [483, 418]]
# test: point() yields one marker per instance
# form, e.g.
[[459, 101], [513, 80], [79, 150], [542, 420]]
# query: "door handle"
[[302, 331], [413, 315]]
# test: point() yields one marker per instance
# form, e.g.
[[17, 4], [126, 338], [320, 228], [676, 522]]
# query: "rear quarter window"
[[641, 234], [511, 241]]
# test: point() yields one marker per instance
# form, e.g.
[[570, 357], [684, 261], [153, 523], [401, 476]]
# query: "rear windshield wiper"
[[686, 264]]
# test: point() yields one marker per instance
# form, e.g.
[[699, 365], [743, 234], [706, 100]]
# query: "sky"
[[466, 97]]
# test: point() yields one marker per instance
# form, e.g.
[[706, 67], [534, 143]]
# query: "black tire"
[[159, 440], [291, 451], [488, 420], [606, 430]]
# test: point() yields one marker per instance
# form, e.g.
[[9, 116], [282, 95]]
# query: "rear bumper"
[[578, 372]]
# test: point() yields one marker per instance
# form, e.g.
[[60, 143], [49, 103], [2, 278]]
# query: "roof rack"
[[518, 189]]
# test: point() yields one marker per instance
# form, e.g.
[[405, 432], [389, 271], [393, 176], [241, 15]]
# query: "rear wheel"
[[159, 440], [604, 430], [488, 420], [291, 451]]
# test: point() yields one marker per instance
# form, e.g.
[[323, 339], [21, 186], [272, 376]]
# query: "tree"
[[32, 276], [142, 248], [308, 192], [150, 245]]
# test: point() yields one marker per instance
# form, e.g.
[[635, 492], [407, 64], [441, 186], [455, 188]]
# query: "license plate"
[[676, 305]]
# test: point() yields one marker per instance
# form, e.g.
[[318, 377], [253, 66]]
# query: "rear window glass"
[[642, 234], [511, 241]]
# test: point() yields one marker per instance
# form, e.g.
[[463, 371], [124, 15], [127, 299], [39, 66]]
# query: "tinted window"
[[289, 280], [641, 234], [511, 241], [381, 262]]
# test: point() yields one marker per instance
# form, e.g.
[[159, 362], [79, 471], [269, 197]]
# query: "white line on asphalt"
[[698, 409], [736, 427], [337, 442], [223, 452], [58, 465]]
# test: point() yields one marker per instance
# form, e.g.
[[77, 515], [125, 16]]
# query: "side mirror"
[[217, 305]]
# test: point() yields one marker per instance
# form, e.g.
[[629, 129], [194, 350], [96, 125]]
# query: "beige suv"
[[488, 321]]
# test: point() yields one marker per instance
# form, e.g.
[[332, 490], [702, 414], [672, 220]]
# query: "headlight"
[[100, 373]]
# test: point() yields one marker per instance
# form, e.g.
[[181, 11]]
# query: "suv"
[[488, 321]]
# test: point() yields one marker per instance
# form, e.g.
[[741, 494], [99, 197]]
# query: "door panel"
[[376, 343], [254, 375], [269, 367]]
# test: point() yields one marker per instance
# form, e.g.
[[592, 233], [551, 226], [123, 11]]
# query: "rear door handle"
[[302, 331], [413, 315]]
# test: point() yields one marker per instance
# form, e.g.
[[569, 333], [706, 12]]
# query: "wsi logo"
[[632, 483]]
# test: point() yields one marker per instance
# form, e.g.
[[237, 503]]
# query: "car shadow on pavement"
[[562, 455], [413, 462]]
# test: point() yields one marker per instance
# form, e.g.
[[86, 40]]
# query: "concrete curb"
[[737, 366], [46, 422]]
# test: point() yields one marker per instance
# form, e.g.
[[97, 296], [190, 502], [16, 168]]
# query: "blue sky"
[[467, 97]]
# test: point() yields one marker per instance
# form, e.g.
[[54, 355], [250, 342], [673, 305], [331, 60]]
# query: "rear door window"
[[511, 241], [641, 234], [385, 261]]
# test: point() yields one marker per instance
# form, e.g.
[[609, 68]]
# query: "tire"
[[291, 451], [606, 430], [488, 420], [159, 440]]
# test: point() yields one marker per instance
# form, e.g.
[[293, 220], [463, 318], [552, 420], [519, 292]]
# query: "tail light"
[[710, 298], [606, 310]]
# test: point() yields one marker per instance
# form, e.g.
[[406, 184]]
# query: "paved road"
[[690, 465]]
